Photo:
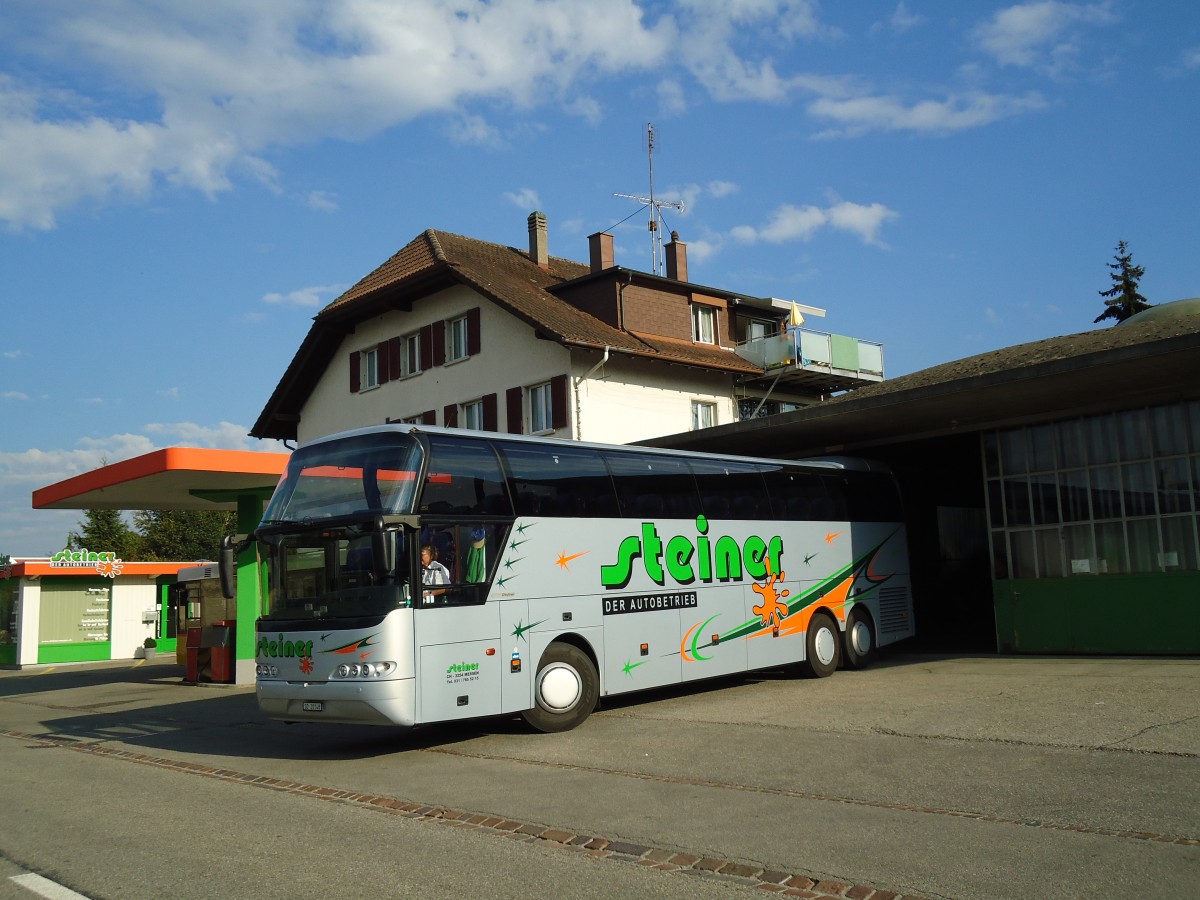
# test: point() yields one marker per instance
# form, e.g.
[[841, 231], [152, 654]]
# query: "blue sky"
[[184, 185]]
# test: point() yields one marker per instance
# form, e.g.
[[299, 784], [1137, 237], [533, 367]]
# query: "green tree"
[[183, 534], [104, 529], [1122, 299]]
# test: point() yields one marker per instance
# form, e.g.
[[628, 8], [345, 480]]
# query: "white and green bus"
[[420, 574]]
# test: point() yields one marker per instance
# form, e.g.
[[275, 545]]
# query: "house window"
[[756, 329], [704, 414], [456, 340], [412, 354], [472, 415], [370, 368], [541, 408], [704, 319]]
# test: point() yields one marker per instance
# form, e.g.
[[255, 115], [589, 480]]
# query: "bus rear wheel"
[[822, 646], [859, 646], [565, 689]]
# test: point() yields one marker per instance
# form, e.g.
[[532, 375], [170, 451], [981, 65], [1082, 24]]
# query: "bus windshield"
[[335, 573], [360, 475]]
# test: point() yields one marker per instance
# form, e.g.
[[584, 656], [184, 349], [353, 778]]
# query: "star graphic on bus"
[[521, 528], [809, 558], [515, 544], [519, 631], [509, 563], [563, 559], [501, 582], [306, 665], [630, 666], [830, 535]]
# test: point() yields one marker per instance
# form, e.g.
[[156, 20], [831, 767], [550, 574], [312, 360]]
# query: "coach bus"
[[421, 574]]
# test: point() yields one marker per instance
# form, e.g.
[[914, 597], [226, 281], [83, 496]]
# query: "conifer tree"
[[1122, 299]]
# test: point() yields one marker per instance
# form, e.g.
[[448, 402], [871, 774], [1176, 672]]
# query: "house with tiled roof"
[[465, 333]]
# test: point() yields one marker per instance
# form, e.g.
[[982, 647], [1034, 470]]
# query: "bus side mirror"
[[230, 544], [383, 549]]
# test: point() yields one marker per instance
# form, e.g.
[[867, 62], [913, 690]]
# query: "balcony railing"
[[827, 362]]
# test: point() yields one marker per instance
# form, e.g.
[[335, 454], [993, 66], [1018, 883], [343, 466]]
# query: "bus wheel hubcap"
[[824, 645], [559, 688], [861, 637]]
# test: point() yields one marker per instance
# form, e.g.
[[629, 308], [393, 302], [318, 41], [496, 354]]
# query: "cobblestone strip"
[[830, 798], [783, 884]]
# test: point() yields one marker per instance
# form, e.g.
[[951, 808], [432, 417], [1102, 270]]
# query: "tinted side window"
[[464, 477], [806, 496], [653, 486], [872, 497], [730, 490], [558, 481]]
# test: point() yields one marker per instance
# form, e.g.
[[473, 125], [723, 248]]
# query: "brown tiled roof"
[[505, 275], [509, 278], [706, 355]]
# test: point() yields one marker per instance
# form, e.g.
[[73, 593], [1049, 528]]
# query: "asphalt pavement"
[[930, 776]]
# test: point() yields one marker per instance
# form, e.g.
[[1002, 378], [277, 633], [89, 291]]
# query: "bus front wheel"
[[822, 646], [565, 689]]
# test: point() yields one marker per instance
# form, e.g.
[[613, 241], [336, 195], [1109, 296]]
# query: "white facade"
[[618, 400]]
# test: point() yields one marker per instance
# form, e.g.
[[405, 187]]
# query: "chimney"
[[538, 246], [600, 245], [676, 258]]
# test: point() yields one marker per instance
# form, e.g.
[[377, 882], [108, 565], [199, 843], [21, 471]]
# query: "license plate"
[[313, 706]]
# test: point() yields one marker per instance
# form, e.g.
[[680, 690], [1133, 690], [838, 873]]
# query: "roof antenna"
[[656, 207]]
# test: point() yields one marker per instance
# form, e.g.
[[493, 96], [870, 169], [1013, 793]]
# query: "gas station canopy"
[[172, 478]]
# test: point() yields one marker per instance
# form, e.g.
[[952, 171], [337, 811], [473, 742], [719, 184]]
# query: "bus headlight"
[[365, 670]]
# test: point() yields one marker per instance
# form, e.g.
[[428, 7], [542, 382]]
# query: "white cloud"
[[322, 201], [672, 100], [587, 108], [12, 354], [171, 392], [1191, 58], [721, 188], [195, 96], [1044, 36], [317, 295], [227, 79], [25, 531], [859, 115], [902, 20], [526, 199], [802, 223], [14, 395], [475, 130]]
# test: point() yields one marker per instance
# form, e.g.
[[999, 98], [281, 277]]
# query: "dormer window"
[[704, 324]]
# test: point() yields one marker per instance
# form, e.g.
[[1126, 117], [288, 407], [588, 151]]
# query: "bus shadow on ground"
[[227, 725]]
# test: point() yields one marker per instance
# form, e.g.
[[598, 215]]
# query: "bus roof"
[[849, 463]]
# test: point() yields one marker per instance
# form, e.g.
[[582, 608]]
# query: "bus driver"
[[432, 572]]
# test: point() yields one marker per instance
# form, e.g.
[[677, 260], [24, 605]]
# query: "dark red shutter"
[[473, 336], [426, 347], [512, 399], [490, 419], [382, 369], [439, 343], [558, 400], [429, 417], [394, 358], [355, 372], [450, 416]]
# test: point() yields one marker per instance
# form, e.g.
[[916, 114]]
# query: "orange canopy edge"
[[171, 478]]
